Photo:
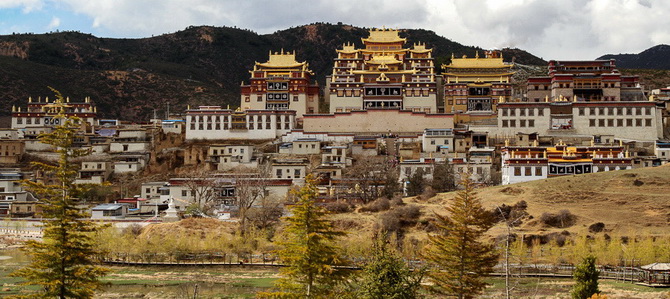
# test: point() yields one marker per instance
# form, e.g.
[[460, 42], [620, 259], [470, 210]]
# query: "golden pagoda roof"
[[383, 59], [348, 48], [420, 48], [477, 62], [383, 36], [282, 60]]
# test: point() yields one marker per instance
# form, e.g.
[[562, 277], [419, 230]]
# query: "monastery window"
[[538, 171], [540, 112], [592, 111], [504, 112], [638, 122], [531, 112], [647, 111], [19, 120], [546, 87], [340, 93], [537, 100], [629, 122], [259, 98], [522, 112], [425, 92], [638, 111], [610, 111], [581, 111], [192, 126], [295, 98], [29, 120], [601, 111], [536, 87], [37, 120], [629, 111], [592, 122], [451, 102], [531, 123], [619, 111], [522, 123], [512, 112], [287, 126], [505, 123], [512, 123], [528, 171], [517, 171], [259, 125], [619, 122], [247, 99], [225, 125], [296, 173], [209, 126], [647, 122], [200, 126], [601, 123], [610, 123]]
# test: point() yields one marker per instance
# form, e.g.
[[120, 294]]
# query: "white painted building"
[[215, 123]]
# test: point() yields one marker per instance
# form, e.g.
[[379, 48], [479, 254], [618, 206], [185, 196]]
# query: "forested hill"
[[657, 57], [129, 78]]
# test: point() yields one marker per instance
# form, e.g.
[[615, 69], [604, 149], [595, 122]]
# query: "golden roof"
[[477, 62], [282, 60], [383, 59], [348, 48], [383, 36], [420, 48]]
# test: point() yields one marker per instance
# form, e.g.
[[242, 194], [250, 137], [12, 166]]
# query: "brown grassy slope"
[[633, 201]]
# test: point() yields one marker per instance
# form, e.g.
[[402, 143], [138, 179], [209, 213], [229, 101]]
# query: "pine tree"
[[63, 263], [416, 183], [586, 277], [386, 275], [461, 257], [308, 250]]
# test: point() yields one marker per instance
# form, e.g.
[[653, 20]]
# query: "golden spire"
[[30, 99]]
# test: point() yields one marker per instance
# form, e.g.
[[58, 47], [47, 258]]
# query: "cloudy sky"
[[551, 29]]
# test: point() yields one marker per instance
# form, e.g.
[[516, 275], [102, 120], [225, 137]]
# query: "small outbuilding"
[[655, 275], [110, 211]]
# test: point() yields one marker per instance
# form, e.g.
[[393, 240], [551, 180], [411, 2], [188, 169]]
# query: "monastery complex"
[[386, 98]]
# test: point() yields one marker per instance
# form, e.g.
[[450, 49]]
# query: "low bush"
[[562, 219], [597, 227], [338, 207], [378, 205]]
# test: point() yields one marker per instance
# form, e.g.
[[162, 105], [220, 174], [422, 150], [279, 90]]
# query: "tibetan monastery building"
[[216, 123], [586, 81], [529, 163], [281, 83], [475, 85], [40, 116], [383, 75]]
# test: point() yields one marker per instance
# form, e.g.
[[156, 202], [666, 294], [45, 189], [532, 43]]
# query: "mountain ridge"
[[130, 78]]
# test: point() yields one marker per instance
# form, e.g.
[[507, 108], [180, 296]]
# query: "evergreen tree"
[[461, 258], [308, 250], [63, 262], [391, 184], [416, 183], [388, 276], [443, 178], [586, 277]]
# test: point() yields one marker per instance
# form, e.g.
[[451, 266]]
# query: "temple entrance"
[[481, 104]]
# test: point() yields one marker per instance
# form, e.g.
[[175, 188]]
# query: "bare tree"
[[249, 189], [201, 186], [267, 211], [367, 176]]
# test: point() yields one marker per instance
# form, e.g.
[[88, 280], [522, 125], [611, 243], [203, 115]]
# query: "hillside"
[[656, 57], [628, 202], [129, 78]]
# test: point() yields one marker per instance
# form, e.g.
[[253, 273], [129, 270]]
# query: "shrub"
[[597, 227], [338, 207], [378, 205], [133, 230], [390, 222], [562, 219], [408, 213], [427, 193]]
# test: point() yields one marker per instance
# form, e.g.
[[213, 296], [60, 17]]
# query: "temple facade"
[[39, 116], [216, 123], [475, 85], [529, 163], [281, 83], [584, 81], [383, 75]]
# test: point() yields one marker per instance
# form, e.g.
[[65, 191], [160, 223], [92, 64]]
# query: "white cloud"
[[27, 6], [552, 29], [55, 22]]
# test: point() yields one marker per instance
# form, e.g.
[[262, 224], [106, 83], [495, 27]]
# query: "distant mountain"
[[129, 79], [657, 57]]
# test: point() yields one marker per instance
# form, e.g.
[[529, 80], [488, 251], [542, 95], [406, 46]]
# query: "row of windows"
[[616, 111], [523, 123], [528, 171], [296, 173], [224, 118], [522, 111], [638, 122], [250, 126]]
